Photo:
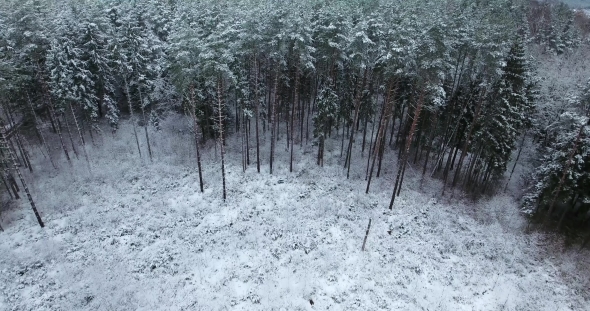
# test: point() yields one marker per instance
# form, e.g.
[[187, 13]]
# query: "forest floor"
[[134, 235]]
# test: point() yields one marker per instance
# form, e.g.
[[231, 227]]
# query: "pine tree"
[[327, 108], [183, 65], [140, 54], [562, 172], [98, 58], [510, 110], [11, 161]]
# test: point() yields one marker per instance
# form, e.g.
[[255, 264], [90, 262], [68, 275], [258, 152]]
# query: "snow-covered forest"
[[279, 155]]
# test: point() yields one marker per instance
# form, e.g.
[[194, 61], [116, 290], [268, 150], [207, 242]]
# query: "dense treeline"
[[447, 86]]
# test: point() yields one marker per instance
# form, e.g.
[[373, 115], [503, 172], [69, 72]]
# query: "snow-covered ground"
[[131, 235]]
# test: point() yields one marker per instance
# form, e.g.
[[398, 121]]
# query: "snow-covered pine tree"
[[95, 41], [70, 81], [10, 160], [302, 62], [509, 111], [366, 47], [140, 55], [326, 111], [218, 35], [183, 58], [562, 176]]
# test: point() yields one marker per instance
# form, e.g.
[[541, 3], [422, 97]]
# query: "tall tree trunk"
[[418, 145], [48, 103], [393, 126], [371, 147], [40, 133], [257, 101], [402, 126], [343, 136], [357, 106], [516, 160], [79, 133], [301, 120], [273, 118], [248, 130], [447, 142], [380, 140], [242, 133], [455, 154], [61, 139], [192, 108], [131, 113], [402, 165], [20, 151], [311, 107], [220, 123], [63, 116], [449, 164], [468, 140], [145, 124], [473, 161], [90, 128], [4, 143], [51, 121], [366, 123], [380, 157], [13, 185], [320, 160], [429, 148], [295, 100], [24, 151], [287, 114], [6, 185]]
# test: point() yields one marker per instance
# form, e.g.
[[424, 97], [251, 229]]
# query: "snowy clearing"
[[137, 236]]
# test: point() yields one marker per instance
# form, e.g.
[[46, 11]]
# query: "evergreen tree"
[[510, 110], [327, 109], [568, 155], [98, 55]]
